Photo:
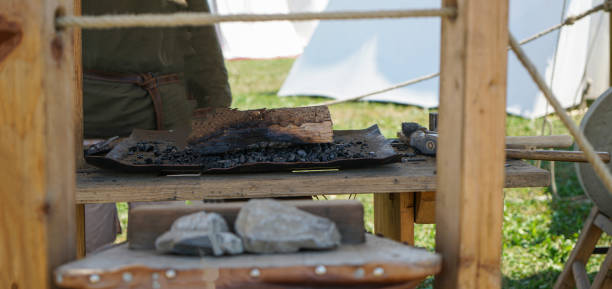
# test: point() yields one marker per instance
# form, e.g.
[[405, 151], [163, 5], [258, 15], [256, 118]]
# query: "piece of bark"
[[146, 223], [218, 130]]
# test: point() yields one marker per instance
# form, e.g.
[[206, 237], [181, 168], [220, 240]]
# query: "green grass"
[[539, 231]]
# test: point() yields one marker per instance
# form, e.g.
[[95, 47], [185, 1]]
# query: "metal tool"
[[425, 141]]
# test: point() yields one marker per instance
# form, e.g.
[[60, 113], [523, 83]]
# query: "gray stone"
[[199, 234], [268, 226]]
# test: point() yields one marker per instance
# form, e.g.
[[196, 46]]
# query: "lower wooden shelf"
[[100, 186], [377, 263]]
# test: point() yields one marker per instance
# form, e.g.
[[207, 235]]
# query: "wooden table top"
[[100, 186]]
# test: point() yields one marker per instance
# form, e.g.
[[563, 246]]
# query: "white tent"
[[264, 39], [350, 58]]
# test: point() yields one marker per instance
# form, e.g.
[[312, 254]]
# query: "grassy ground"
[[539, 230]]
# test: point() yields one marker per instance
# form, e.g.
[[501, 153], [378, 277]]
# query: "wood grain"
[[36, 147], [394, 216], [469, 200], [425, 208], [146, 223], [99, 186], [349, 265]]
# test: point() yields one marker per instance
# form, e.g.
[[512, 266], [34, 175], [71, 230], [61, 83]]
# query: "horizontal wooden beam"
[[99, 186]]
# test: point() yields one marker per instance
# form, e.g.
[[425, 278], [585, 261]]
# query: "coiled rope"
[[201, 19]]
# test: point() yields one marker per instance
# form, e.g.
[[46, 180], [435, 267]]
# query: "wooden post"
[[394, 216], [78, 128], [37, 181], [470, 159]]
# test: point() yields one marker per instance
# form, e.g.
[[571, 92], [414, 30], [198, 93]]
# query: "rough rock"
[[199, 234], [268, 226]]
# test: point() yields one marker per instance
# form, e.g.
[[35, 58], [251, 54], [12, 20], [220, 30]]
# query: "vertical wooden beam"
[[36, 144], [470, 159], [394, 216], [78, 128]]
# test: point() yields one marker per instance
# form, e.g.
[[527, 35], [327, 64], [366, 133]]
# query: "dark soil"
[[160, 153]]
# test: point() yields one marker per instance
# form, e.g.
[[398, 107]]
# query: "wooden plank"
[[394, 216], [37, 143], [582, 251], [580, 275], [470, 157], [98, 186], [604, 223], [78, 128], [425, 208], [349, 264], [146, 223], [603, 279], [80, 230]]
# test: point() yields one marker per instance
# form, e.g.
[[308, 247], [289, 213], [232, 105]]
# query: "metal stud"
[[255, 273], [359, 273], [155, 276], [59, 278], [127, 277], [156, 285], [94, 278], [170, 274], [378, 271], [320, 270]]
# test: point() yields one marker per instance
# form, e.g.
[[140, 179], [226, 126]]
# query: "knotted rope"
[[201, 19]]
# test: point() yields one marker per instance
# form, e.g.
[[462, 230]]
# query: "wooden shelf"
[[348, 266], [99, 186]]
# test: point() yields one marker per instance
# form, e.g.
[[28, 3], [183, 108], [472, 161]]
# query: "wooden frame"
[[38, 141]]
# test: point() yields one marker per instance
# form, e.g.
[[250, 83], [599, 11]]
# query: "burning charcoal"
[[267, 226], [242, 159], [301, 153], [332, 156]]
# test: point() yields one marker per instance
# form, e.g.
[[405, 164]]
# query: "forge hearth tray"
[[157, 152]]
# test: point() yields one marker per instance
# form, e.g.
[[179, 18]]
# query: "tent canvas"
[[264, 39], [349, 58]]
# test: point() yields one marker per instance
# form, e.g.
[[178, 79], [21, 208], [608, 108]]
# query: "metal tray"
[[116, 158]]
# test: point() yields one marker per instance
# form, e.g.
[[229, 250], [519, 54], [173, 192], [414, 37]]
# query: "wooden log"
[[561, 156], [470, 160], [228, 129], [146, 223], [547, 141], [36, 144]]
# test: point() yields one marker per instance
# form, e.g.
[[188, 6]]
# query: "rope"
[[201, 19], [598, 165], [607, 5], [406, 83]]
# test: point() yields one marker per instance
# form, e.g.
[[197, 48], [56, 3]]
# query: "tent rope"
[[570, 20], [201, 19], [598, 165]]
